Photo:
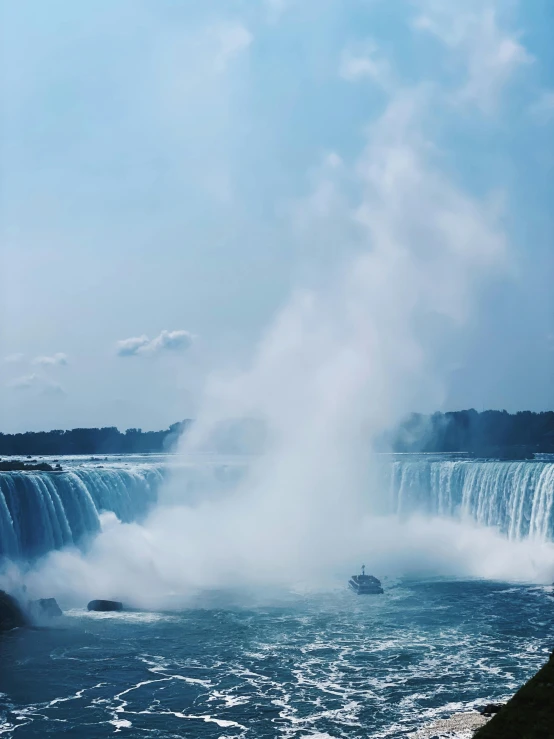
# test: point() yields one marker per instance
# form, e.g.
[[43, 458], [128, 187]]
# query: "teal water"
[[329, 664]]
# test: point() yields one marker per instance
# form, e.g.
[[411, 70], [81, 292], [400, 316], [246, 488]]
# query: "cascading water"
[[41, 511], [515, 497]]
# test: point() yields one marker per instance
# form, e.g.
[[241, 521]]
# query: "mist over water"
[[341, 363]]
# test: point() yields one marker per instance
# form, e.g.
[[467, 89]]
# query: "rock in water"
[[11, 614], [105, 605], [45, 608]]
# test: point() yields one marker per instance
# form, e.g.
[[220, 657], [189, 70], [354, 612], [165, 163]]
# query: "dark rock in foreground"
[[11, 613], [529, 714], [105, 605], [44, 608]]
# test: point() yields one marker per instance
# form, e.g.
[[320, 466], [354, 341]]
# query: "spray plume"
[[339, 365]]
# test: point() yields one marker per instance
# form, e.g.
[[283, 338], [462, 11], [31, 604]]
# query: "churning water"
[[330, 664]]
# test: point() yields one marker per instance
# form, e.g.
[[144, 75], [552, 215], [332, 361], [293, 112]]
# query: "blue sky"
[[173, 170]]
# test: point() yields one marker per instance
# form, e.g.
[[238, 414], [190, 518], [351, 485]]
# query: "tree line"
[[489, 433], [107, 440]]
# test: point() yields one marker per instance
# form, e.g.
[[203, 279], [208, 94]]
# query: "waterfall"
[[515, 497], [41, 511]]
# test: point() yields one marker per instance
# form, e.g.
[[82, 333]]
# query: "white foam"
[[121, 724], [144, 617], [224, 724]]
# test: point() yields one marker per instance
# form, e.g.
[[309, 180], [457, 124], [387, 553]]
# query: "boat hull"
[[365, 589]]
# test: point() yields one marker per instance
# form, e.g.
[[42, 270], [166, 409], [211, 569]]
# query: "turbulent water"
[[324, 665]]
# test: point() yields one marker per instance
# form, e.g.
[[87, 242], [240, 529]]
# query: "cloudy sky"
[[171, 171]]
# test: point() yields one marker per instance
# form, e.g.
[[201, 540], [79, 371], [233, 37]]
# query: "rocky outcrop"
[[11, 613], [44, 608], [105, 605]]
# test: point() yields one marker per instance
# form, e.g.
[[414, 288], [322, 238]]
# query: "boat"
[[365, 584]]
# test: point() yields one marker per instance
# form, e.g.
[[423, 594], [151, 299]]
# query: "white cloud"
[[25, 382], [58, 359], [333, 160], [172, 340], [165, 341], [366, 64], [276, 8], [132, 346], [14, 358], [37, 382], [52, 388], [490, 54], [232, 39], [543, 109]]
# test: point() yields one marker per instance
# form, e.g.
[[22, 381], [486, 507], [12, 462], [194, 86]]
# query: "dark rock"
[[11, 613], [44, 608], [491, 708], [17, 465], [105, 605]]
